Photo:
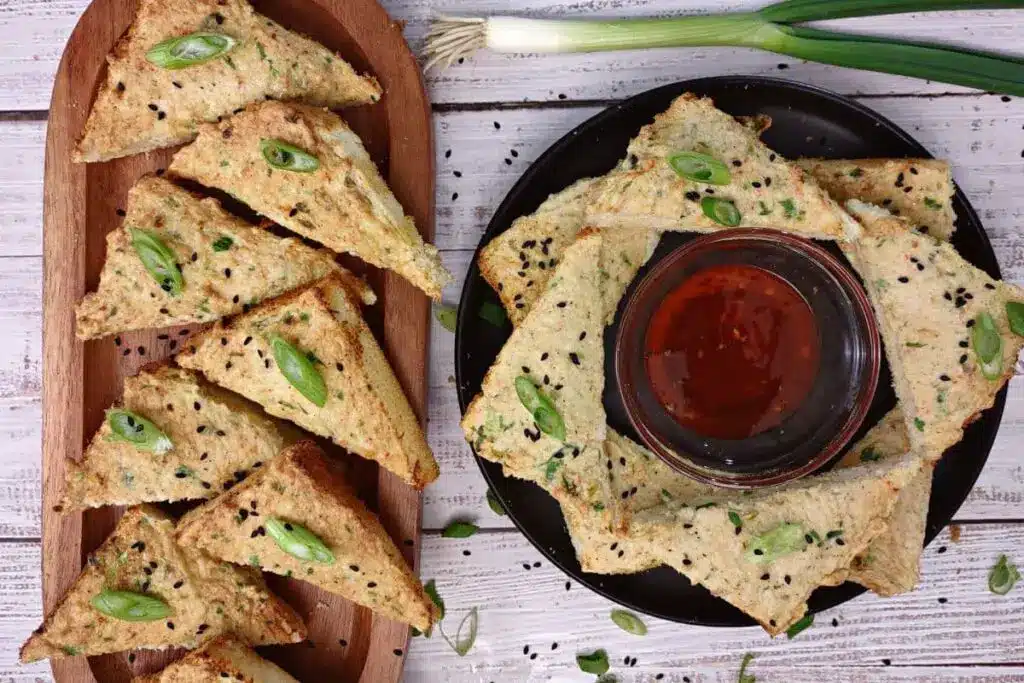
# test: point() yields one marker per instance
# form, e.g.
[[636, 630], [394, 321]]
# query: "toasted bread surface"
[[837, 515], [919, 190], [223, 658], [206, 597], [519, 261], [765, 189], [226, 264], [927, 298], [365, 411], [299, 487], [343, 204], [142, 106], [559, 348], [217, 438]]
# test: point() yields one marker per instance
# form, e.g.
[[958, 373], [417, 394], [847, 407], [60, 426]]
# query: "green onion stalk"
[[769, 28]]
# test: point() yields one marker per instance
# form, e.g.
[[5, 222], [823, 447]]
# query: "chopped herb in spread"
[[223, 243], [869, 454], [932, 204], [919, 424]]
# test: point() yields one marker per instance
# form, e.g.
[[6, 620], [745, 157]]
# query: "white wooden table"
[[950, 629]]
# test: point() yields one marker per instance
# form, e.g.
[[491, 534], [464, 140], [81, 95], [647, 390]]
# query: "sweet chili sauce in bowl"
[[747, 357]]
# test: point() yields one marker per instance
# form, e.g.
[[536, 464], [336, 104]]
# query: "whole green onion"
[[452, 38]]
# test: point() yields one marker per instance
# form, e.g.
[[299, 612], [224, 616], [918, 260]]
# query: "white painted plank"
[[33, 34], [518, 607]]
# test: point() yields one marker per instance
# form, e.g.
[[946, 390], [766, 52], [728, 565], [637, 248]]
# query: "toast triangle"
[[765, 189], [217, 439], [926, 299], [299, 487], [226, 265], [365, 410], [206, 597], [829, 520], [141, 106], [343, 204], [224, 658], [560, 348]]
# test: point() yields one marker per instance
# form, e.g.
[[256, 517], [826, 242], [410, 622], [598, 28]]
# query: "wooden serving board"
[[346, 642]]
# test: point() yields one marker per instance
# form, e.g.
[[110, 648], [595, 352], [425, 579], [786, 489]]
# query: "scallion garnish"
[[781, 540], [495, 504], [544, 413], [1015, 314], [298, 541], [460, 530], [286, 157], [629, 622], [594, 663], [721, 211], [799, 626], [299, 370], [700, 168], [452, 38], [158, 259], [129, 606], [447, 315], [1003, 576], [138, 431], [186, 51], [988, 345]]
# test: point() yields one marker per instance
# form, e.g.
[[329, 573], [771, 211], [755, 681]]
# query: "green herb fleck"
[[790, 209], [629, 622], [799, 626], [709, 504], [230, 62], [493, 313], [223, 243], [870, 454], [856, 172], [552, 467], [915, 345], [744, 677], [460, 530], [447, 315], [594, 663], [932, 204], [263, 53], [734, 517], [254, 560], [763, 209], [70, 650], [919, 424], [1003, 576], [494, 504]]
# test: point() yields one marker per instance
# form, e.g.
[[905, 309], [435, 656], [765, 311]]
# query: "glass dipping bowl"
[[842, 391]]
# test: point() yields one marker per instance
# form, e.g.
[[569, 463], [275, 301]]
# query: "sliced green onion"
[[800, 626], [1015, 314], [629, 622], [186, 51], [744, 677], [447, 315], [1003, 576], [460, 530], [453, 38], [495, 504], [493, 313], [988, 345], [784, 539], [129, 606], [540, 407], [700, 168], [138, 431], [721, 211], [298, 541], [299, 370], [594, 663], [158, 259], [286, 157]]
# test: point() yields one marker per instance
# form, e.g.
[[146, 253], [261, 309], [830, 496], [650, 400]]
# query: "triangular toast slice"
[[927, 299], [215, 439], [226, 264], [518, 262], [364, 408], [919, 190], [559, 350], [143, 106], [766, 552], [205, 597], [891, 563], [299, 488], [343, 203], [224, 658], [762, 188]]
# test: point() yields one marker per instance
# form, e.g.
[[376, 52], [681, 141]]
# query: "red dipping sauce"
[[732, 351]]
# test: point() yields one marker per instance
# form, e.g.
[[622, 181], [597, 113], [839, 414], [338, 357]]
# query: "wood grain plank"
[[532, 607], [33, 34]]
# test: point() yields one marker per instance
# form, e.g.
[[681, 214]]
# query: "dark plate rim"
[[492, 472]]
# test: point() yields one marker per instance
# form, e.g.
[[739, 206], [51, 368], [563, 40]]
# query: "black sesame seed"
[[944, 378], [371, 584], [526, 649], [568, 585], [497, 126], [574, 358], [970, 323], [693, 196], [755, 184], [200, 429], [887, 662], [227, 272], [943, 601], [170, 625], [139, 545], [533, 655], [120, 86], [989, 285], [161, 116], [765, 577], [903, 279], [840, 541], [153, 107], [354, 567], [963, 359], [179, 583], [941, 549], [397, 651], [141, 350]]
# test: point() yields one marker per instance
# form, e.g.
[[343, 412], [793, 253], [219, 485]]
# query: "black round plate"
[[806, 122]]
